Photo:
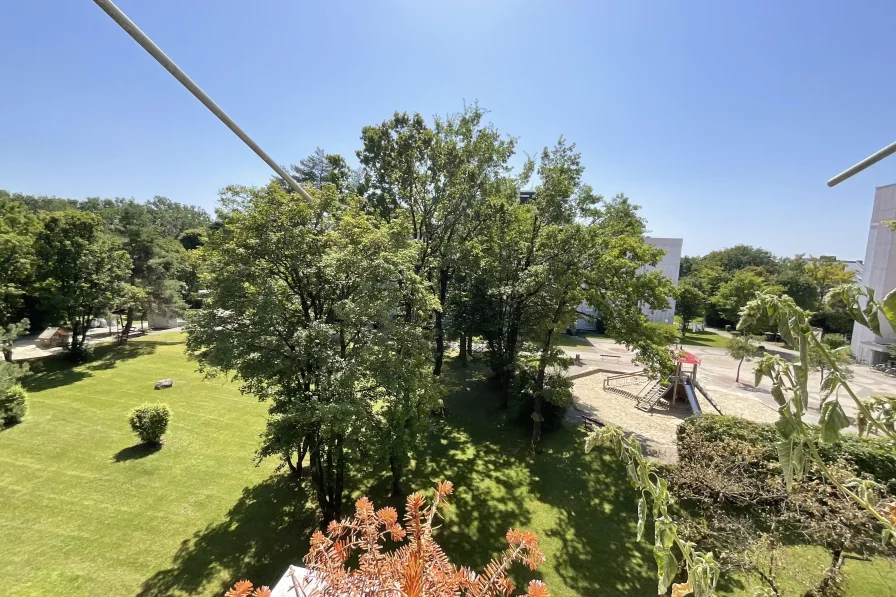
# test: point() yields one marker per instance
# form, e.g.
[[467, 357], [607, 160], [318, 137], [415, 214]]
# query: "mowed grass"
[[705, 338], [85, 511]]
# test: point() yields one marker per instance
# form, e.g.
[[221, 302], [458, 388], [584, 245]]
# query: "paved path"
[[717, 373], [24, 348]]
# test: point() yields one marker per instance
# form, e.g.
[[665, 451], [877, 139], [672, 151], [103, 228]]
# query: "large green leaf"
[[833, 420], [667, 568], [786, 424], [888, 308], [792, 458]]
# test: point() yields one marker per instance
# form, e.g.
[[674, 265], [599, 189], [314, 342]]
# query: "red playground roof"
[[686, 358]]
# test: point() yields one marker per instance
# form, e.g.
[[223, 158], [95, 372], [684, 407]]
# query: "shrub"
[[13, 405], [871, 456], [150, 422], [557, 397]]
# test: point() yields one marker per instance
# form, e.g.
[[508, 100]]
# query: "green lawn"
[[567, 341], [83, 510], [705, 338]]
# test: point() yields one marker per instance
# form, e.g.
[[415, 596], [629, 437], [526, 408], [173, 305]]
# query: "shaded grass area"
[[567, 341], [84, 506]]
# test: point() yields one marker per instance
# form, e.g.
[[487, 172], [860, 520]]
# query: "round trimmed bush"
[[13, 405], [150, 422]]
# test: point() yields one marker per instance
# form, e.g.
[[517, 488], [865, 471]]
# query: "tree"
[[303, 306], [738, 257], [82, 270], [826, 273], [156, 263], [741, 348], [322, 168], [18, 228], [821, 355], [440, 178], [737, 292], [689, 304]]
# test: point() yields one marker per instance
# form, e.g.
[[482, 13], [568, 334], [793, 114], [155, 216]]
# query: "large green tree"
[[82, 271], [157, 262], [438, 177], [18, 228], [690, 304], [304, 307], [734, 294]]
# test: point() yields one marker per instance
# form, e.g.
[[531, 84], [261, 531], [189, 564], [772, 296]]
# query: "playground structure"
[[681, 383]]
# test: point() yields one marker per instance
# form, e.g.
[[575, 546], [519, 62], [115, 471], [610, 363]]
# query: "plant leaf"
[[833, 420]]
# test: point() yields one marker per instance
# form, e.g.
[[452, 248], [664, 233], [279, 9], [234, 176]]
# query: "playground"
[[608, 389]]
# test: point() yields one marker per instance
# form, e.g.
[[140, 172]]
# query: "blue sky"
[[723, 120]]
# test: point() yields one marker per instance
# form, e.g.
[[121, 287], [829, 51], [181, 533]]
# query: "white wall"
[[879, 270], [669, 265]]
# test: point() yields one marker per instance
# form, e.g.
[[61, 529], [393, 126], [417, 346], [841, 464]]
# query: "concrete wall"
[[669, 266], [879, 273]]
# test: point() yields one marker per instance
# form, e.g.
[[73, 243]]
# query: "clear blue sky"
[[722, 119]]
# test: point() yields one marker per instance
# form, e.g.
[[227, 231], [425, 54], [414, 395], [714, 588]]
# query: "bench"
[[610, 356]]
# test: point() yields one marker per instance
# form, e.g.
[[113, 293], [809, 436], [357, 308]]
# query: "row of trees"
[[66, 262], [340, 311], [718, 285]]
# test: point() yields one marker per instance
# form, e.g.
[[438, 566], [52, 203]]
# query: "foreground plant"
[[701, 567], [417, 568], [798, 447]]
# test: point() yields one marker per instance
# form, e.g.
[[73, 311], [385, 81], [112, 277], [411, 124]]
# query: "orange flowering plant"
[[418, 568]]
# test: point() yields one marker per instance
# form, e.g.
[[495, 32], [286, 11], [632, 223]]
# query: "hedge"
[[873, 456]]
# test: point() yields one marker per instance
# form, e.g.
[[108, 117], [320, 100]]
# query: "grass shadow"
[[261, 535], [136, 452], [599, 553], [55, 371]]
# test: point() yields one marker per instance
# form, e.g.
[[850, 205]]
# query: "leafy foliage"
[[730, 477], [798, 445], [303, 307], [150, 422], [13, 405], [702, 568], [82, 270], [689, 304], [743, 348]]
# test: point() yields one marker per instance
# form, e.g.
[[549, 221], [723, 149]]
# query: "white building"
[[879, 273], [668, 265]]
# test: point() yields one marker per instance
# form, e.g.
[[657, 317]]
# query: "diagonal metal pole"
[[141, 38], [870, 160]]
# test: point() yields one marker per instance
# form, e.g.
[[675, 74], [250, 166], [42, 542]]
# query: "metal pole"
[[131, 29], [870, 160]]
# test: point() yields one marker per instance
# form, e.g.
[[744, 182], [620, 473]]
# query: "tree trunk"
[[395, 467], [76, 332], [470, 346], [297, 467], [463, 350], [510, 365], [737, 377], [7, 354], [538, 407], [439, 331], [327, 476], [128, 324]]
